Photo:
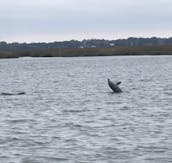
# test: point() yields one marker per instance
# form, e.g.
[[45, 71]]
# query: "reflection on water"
[[69, 114]]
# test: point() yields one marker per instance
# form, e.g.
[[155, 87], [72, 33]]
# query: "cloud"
[[87, 18]]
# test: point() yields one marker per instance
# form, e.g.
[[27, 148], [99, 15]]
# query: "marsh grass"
[[76, 52]]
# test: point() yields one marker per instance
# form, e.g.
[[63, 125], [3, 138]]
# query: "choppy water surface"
[[69, 114]]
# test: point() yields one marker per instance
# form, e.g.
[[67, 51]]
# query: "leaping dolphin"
[[114, 86]]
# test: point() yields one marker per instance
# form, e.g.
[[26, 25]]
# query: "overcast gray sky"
[[55, 20]]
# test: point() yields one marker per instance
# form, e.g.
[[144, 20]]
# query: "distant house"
[[111, 44]]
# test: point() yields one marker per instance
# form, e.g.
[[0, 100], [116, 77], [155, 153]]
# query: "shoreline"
[[88, 52]]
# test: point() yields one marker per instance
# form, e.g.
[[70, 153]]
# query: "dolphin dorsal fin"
[[118, 83]]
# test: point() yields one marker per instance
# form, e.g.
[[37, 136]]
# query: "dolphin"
[[10, 94], [114, 86]]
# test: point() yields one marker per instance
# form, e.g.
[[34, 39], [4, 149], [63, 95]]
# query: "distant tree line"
[[91, 43], [81, 52]]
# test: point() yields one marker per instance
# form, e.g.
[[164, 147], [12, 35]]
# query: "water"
[[69, 115]]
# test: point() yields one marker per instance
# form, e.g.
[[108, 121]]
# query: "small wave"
[[75, 111], [41, 159], [19, 120]]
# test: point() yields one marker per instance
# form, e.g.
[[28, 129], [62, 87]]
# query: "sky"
[[59, 20]]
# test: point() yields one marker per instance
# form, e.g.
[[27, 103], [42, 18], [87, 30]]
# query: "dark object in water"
[[9, 94], [114, 86]]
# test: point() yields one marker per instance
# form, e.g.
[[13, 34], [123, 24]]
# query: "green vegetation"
[[75, 52]]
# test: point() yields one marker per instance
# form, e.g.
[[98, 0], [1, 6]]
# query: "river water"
[[70, 115]]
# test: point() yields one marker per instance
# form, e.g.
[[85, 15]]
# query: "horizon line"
[[80, 40]]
